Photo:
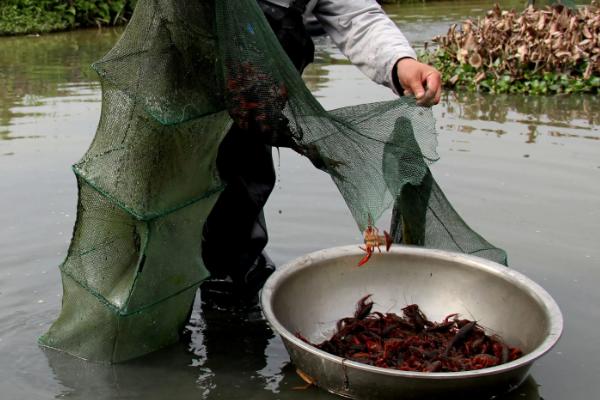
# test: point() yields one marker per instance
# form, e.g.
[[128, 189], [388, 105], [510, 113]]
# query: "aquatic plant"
[[41, 16], [537, 51]]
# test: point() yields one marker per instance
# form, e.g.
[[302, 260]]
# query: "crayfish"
[[411, 342], [372, 240]]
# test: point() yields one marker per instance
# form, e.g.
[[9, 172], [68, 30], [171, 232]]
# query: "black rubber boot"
[[235, 233], [242, 296]]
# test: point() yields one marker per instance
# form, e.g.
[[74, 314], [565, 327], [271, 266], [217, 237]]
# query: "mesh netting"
[[377, 154], [172, 87], [146, 186]]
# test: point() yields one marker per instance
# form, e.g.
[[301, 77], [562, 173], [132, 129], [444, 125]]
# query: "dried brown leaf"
[[587, 74], [475, 60], [461, 55], [554, 39]]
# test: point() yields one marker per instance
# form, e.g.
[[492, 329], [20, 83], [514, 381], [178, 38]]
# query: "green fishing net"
[[182, 73]]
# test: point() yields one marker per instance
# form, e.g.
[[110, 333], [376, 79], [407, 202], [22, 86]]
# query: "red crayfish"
[[373, 240], [412, 342]]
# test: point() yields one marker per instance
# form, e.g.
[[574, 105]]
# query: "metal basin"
[[311, 293]]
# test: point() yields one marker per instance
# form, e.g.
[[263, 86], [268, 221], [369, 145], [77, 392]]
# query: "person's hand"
[[421, 80]]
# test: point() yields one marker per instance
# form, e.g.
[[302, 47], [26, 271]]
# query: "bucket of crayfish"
[[371, 332]]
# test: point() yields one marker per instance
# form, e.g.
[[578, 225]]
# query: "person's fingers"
[[438, 95], [433, 78], [434, 82], [433, 85], [419, 80], [427, 99], [416, 88]]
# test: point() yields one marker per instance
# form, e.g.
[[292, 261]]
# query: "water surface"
[[523, 171]]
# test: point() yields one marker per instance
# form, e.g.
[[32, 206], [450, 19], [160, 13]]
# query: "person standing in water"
[[235, 233]]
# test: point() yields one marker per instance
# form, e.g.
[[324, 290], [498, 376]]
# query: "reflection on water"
[[531, 116], [229, 356], [33, 69]]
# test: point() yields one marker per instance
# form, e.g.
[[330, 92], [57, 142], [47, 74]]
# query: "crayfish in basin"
[[414, 343]]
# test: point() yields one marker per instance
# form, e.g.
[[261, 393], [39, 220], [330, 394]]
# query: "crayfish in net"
[[413, 343]]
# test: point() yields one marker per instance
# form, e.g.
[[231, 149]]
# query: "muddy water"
[[523, 171]]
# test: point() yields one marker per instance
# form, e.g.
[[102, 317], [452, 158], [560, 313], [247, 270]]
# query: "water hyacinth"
[[549, 50]]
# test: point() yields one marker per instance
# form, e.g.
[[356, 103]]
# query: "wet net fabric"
[[377, 154], [180, 76], [146, 186]]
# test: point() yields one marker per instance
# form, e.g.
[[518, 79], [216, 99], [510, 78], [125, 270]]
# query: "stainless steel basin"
[[309, 294]]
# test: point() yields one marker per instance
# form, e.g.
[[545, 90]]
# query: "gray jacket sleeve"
[[366, 35]]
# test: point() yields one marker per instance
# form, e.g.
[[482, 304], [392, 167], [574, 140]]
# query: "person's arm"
[[373, 42]]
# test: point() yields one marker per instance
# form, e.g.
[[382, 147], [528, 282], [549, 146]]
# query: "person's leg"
[[235, 232]]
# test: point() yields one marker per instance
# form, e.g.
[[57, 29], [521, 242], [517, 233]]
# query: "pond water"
[[523, 171]]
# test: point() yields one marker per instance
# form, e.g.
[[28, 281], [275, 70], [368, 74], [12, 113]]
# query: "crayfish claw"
[[366, 258], [388, 241]]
